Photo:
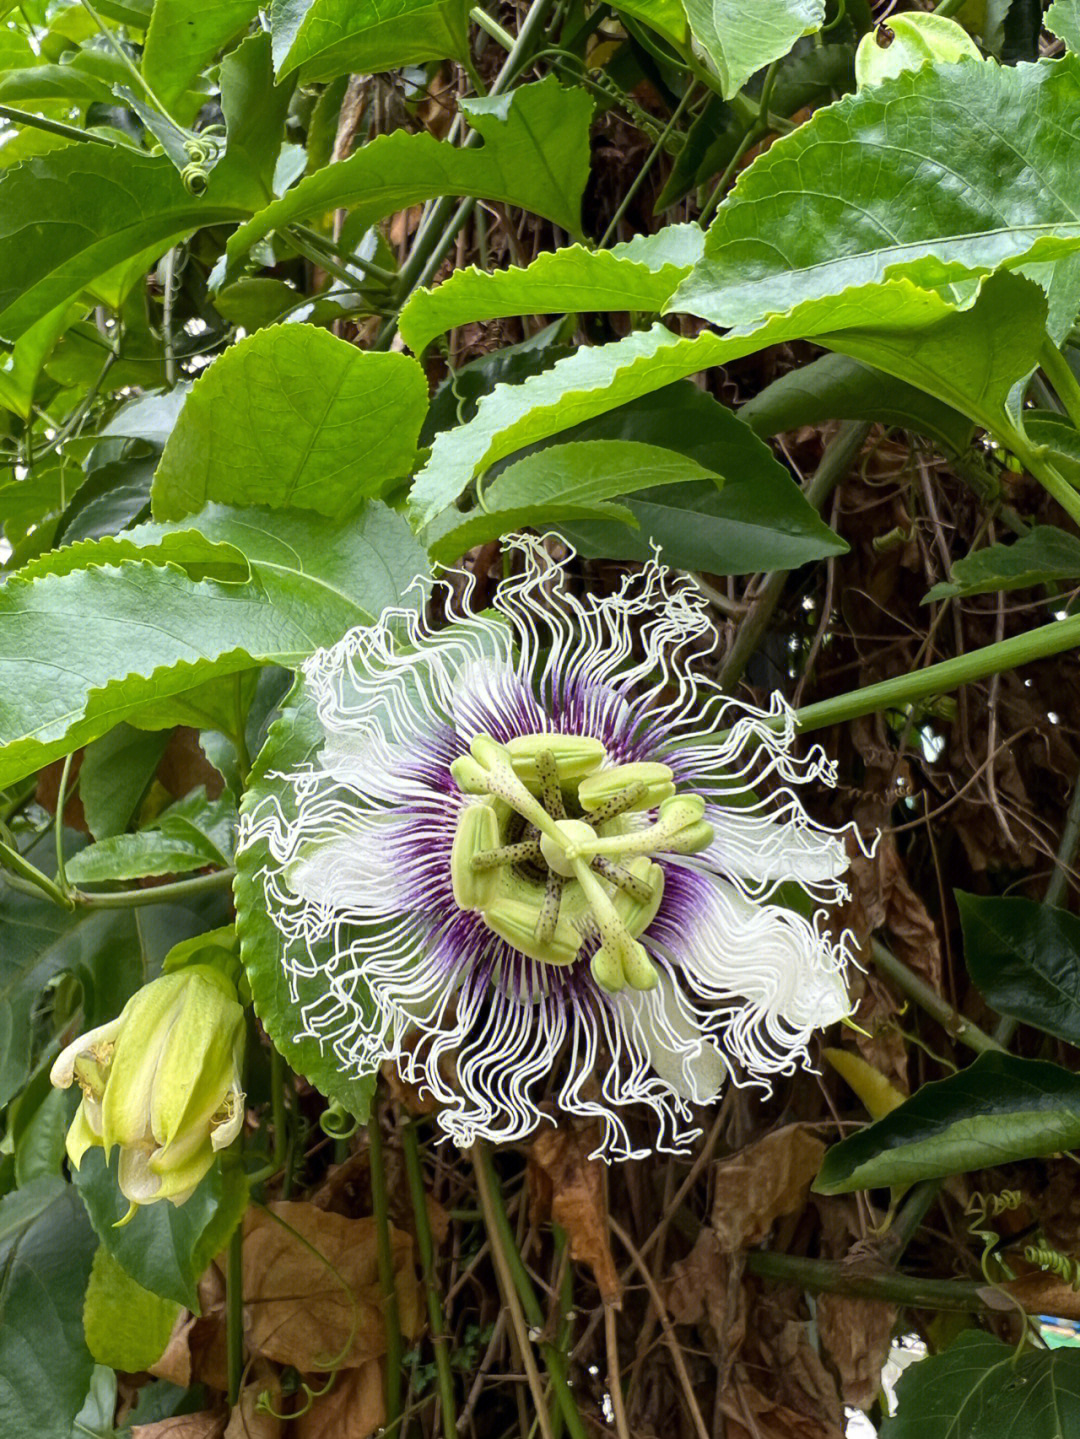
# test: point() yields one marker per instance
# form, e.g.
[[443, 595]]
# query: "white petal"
[[765, 850], [678, 1051], [356, 872], [137, 1180], [62, 1074]]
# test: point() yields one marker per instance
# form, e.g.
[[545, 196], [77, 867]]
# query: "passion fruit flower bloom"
[[161, 1082], [538, 858]]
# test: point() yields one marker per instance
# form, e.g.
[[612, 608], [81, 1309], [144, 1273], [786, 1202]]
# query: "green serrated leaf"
[[999, 1110], [1063, 20], [165, 1247], [127, 1327], [293, 416], [570, 280], [991, 144], [535, 156], [666, 17], [85, 648], [294, 738], [325, 38], [46, 1249], [1043, 556], [981, 1388], [184, 34], [740, 39], [565, 482], [1025, 958], [134, 856], [970, 357]]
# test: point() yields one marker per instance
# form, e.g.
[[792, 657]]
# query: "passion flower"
[[536, 863]]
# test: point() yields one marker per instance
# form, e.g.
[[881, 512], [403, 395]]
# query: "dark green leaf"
[[114, 775], [46, 1249], [989, 143], [325, 38], [165, 1247], [134, 856], [980, 1388], [1042, 556], [836, 387], [1025, 958], [292, 416], [535, 156], [293, 740], [999, 1110]]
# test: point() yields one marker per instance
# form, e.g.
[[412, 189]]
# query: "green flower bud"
[[161, 1083], [606, 784], [907, 41]]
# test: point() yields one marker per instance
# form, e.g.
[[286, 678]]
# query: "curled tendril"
[[1065, 1266], [265, 1405], [201, 150], [981, 1208], [337, 1122]]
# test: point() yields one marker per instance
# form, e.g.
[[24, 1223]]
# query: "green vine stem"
[[825, 1276], [156, 894], [444, 1373], [1036, 644], [519, 1285], [234, 1301], [928, 999], [54, 127], [391, 1319], [1060, 374]]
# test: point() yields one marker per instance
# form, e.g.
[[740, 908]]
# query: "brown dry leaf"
[[889, 902], [319, 1315], [751, 1416], [707, 1284], [175, 1364], [247, 1420], [765, 1181], [353, 1409], [856, 1335], [184, 1426], [568, 1187]]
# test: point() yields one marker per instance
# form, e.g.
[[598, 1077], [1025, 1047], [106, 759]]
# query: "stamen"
[[657, 783], [526, 851], [547, 772], [487, 770], [620, 959], [548, 922], [679, 830], [621, 877], [617, 804]]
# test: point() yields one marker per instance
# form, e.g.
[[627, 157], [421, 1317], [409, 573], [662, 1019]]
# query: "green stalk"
[[491, 27], [157, 894], [443, 1371], [1037, 644], [824, 1276], [26, 877], [502, 1238], [54, 127], [391, 1319], [234, 1301], [928, 999], [643, 171], [1035, 460]]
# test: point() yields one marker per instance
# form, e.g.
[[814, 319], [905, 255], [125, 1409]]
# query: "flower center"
[[556, 849]]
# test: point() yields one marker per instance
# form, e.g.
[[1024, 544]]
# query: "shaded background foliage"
[[266, 190]]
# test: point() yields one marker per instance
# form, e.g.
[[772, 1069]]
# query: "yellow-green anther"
[[526, 851], [575, 756], [679, 829], [477, 833], [656, 781], [616, 940], [547, 775], [516, 921], [470, 777]]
